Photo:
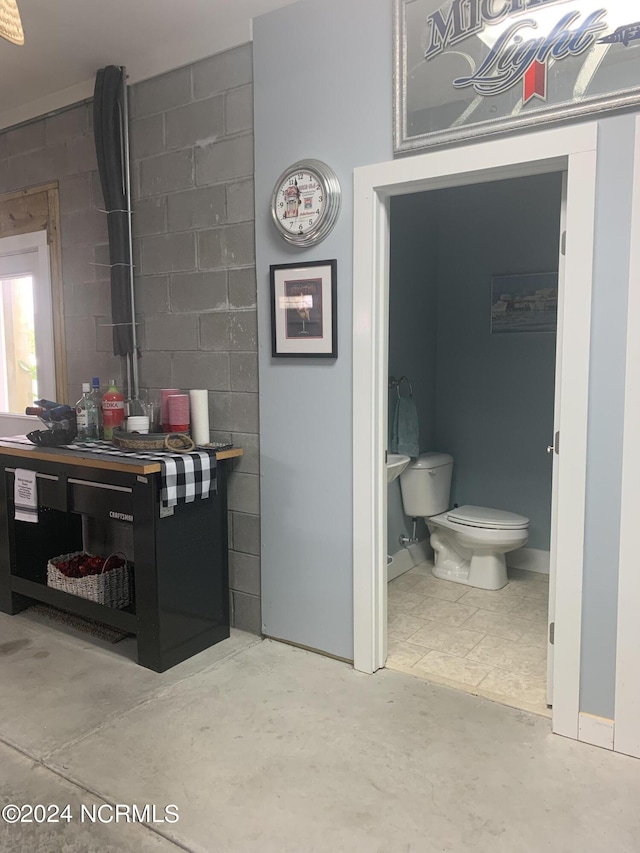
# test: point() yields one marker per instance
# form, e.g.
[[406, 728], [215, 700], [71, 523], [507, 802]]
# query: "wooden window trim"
[[37, 209]]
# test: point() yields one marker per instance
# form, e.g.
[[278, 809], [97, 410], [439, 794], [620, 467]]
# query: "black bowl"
[[51, 437]]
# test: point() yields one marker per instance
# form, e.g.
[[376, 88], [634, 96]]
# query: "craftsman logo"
[[518, 51], [120, 516]]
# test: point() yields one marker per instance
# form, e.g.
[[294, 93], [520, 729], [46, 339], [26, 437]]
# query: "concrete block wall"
[[61, 148], [192, 173]]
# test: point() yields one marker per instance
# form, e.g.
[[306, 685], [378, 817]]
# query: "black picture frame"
[[304, 311]]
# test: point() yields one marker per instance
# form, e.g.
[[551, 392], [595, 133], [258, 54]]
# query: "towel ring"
[[398, 382]]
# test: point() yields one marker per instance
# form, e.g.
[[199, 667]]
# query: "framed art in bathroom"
[[524, 303], [304, 317]]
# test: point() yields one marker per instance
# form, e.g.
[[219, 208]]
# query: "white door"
[[554, 447], [27, 355]]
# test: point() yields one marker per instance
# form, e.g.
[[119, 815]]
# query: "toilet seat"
[[487, 518]]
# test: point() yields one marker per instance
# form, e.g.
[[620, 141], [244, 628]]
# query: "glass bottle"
[[112, 410], [86, 415], [97, 399]]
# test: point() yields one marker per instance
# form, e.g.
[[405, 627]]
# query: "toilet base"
[[481, 568], [483, 571]]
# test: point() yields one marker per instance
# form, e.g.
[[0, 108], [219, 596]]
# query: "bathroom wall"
[[495, 393], [413, 305]]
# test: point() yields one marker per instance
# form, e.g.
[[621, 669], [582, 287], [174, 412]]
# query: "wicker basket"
[[112, 587], [176, 442]]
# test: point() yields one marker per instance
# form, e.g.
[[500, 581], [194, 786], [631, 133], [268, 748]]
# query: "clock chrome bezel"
[[328, 180]]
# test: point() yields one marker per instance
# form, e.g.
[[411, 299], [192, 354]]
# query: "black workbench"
[[180, 562]]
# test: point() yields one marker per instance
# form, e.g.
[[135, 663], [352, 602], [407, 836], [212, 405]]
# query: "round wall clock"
[[305, 202]]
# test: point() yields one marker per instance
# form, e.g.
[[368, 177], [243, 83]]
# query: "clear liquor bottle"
[[86, 416], [96, 396]]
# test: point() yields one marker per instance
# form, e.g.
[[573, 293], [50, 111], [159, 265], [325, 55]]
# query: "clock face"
[[300, 202], [305, 202]]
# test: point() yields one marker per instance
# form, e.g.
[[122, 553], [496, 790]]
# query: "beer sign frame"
[[469, 68]]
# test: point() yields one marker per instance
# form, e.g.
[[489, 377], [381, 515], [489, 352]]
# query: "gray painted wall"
[[339, 103], [606, 412], [306, 408], [192, 171], [413, 310], [495, 392]]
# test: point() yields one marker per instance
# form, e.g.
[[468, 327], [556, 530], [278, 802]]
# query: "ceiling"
[[66, 41]]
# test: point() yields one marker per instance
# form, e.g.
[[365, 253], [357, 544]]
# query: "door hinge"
[[552, 632], [563, 243]]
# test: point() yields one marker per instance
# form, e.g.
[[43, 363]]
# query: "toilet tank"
[[426, 485]]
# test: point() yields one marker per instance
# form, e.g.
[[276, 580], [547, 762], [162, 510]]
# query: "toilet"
[[469, 542]]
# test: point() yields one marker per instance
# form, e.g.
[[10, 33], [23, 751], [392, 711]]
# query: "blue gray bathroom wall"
[[413, 311], [485, 399]]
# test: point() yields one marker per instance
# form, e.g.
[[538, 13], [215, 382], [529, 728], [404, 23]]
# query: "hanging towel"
[[405, 434], [25, 495]]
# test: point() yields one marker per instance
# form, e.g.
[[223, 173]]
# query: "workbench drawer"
[[101, 500], [51, 491]]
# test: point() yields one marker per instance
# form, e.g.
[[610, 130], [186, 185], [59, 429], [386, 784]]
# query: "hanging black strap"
[[108, 126]]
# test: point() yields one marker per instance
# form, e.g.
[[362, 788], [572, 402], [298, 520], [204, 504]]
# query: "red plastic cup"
[[178, 406], [165, 393]]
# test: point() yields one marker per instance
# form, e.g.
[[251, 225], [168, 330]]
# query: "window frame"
[[37, 209], [28, 255]]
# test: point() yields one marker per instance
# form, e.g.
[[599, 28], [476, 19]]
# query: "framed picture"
[[467, 68], [524, 303], [303, 310]]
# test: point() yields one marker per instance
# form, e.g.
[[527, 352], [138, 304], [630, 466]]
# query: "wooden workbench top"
[[89, 459]]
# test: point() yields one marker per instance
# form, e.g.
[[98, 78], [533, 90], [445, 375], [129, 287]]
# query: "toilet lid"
[[482, 516]]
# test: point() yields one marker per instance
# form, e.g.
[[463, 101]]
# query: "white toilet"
[[469, 542]]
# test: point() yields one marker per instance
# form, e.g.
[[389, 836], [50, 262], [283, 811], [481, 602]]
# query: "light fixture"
[[10, 23]]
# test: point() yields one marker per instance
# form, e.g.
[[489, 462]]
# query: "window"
[[27, 355]]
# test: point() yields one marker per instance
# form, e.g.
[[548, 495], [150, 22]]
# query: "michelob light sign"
[[464, 68]]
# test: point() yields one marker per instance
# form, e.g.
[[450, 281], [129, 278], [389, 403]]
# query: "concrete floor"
[[269, 749]]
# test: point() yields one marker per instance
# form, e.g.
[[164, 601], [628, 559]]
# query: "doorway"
[[568, 149], [473, 300]]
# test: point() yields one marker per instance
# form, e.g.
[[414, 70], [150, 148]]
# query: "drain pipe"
[[134, 390], [405, 541]]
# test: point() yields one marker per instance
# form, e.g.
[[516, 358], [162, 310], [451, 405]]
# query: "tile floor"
[[489, 643]]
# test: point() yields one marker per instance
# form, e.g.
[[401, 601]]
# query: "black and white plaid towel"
[[184, 476]]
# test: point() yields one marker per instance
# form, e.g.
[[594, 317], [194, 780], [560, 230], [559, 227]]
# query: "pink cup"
[[165, 393], [178, 405]]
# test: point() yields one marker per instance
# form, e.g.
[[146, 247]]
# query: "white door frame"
[[572, 149], [627, 702], [557, 399]]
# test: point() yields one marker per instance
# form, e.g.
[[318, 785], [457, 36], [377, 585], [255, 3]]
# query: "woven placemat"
[[97, 629]]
